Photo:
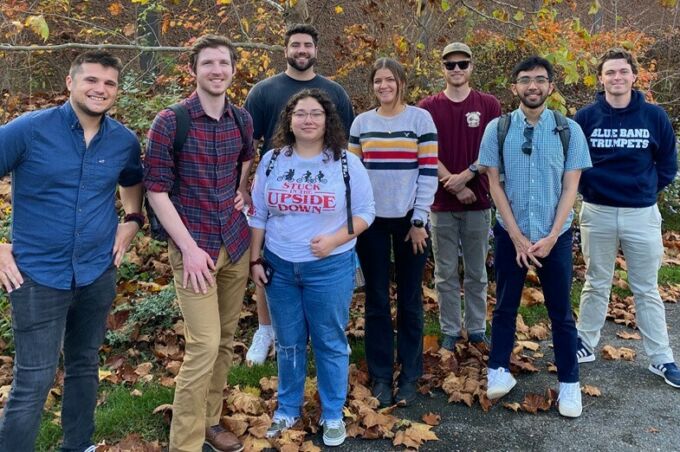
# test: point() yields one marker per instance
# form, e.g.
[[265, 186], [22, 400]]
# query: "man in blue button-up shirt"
[[66, 163], [534, 212]]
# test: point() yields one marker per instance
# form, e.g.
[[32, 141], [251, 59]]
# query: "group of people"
[[329, 189]]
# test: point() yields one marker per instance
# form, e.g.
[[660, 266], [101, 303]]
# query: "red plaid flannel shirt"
[[206, 168]]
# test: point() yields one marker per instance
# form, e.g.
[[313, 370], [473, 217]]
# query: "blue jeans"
[[44, 319], [375, 246], [311, 299], [555, 277]]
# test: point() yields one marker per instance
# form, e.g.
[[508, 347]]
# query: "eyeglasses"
[[528, 136], [539, 81], [315, 114], [451, 65]]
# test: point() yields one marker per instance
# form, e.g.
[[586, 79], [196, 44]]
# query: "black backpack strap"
[[182, 124], [270, 165], [562, 128], [238, 119], [348, 191], [502, 128]]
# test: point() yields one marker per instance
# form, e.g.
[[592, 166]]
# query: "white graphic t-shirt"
[[305, 197]]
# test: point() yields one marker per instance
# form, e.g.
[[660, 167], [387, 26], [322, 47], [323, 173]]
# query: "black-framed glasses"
[[529, 137], [451, 65]]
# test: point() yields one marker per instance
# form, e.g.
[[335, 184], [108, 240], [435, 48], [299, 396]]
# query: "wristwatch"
[[474, 169], [418, 223]]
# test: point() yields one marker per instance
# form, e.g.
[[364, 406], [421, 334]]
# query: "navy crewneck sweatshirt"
[[633, 151]]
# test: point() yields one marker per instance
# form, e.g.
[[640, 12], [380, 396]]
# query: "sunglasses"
[[528, 136], [451, 65]]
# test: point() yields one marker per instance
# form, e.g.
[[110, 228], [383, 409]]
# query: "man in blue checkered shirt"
[[534, 206]]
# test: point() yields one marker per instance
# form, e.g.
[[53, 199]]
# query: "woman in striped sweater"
[[398, 146]]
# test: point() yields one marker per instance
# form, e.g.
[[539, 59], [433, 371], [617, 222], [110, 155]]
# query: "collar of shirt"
[[193, 104]]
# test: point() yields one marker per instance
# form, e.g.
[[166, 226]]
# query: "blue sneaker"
[[669, 372], [449, 342], [583, 354]]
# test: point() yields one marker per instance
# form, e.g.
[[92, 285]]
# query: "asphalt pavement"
[[636, 411]]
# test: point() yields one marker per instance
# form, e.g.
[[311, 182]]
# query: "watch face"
[[474, 168], [418, 223]]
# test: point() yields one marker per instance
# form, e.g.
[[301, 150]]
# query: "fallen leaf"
[[431, 419], [591, 391], [514, 406], [628, 335]]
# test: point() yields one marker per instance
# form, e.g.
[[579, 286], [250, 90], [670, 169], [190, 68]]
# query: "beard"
[[294, 64], [533, 103], [83, 108]]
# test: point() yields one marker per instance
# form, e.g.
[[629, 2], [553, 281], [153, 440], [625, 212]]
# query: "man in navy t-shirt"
[[633, 150]]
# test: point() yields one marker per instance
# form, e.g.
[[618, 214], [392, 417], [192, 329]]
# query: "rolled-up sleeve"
[[159, 165]]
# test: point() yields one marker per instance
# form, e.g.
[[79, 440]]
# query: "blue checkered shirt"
[[533, 183]]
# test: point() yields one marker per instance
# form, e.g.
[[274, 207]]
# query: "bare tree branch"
[[486, 16], [76, 45]]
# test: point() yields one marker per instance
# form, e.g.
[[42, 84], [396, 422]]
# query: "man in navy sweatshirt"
[[632, 147]]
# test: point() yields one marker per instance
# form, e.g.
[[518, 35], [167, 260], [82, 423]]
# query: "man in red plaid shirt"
[[193, 193]]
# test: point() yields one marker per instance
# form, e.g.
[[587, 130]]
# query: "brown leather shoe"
[[222, 440]]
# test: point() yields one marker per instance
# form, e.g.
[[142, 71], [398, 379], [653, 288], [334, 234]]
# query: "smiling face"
[[387, 87], [214, 71], [93, 88], [457, 77], [308, 121], [533, 87], [300, 52], [617, 77]]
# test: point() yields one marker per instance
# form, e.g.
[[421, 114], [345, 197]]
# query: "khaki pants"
[[210, 321]]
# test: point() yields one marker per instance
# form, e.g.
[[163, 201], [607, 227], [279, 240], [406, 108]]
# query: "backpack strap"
[[182, 124], [562, 128], [238, 119], [502, 128], [270, 165], [348, 191]]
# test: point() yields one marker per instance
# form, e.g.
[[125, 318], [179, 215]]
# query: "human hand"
[[456, 182], [418, 238], [242, 200], [258, 276], [323, 245], [197, 270], [523, 256], [124, 235], [10, 276], [466, 196], [543, 247]]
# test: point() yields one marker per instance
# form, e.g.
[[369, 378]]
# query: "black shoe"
[[406, 394], [382, 391]]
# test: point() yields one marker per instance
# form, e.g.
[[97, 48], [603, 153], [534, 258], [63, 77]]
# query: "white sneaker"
[[263, 341], [569, 399], [499, 382], [334, 432]]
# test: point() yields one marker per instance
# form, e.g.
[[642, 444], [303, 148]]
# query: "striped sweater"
[[400, 155]]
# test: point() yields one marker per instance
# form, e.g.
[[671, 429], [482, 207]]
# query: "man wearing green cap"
[[461, 209]]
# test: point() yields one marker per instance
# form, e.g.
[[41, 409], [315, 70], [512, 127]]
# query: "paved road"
[[637, 410]]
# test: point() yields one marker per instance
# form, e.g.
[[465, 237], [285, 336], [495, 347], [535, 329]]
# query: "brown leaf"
[[309, 446], [653, 430], [514, 406], [591, 391], [237, 424], [430, 343], [534, 402], [628, 335], [532, 296], [539, 332], [552, 368], [143, 369], [529, 345], [431, 419]]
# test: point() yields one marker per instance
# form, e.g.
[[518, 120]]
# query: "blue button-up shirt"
[[533, 183], [63, 193]]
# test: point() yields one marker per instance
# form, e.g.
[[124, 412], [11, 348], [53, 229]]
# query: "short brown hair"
[[211, 42], [302, 29], [106, 59], [618, 53]]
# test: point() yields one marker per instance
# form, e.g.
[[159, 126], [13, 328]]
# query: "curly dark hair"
[[334, 138]]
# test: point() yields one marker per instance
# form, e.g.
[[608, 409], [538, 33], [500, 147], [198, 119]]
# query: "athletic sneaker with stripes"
[[669, 372], [583, 354]]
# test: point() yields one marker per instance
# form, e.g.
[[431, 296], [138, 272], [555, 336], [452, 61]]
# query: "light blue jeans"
[[638, 231], [311, 300]]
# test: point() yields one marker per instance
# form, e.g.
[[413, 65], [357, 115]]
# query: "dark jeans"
[[44, 319], [555, 278], [374, 247]]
